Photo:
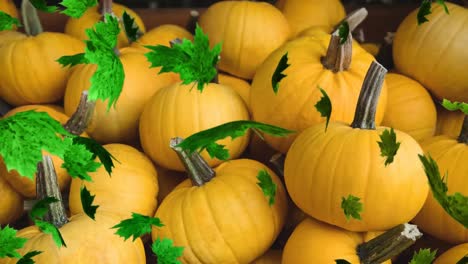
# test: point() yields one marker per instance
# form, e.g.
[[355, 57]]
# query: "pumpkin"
[[24, 185], [451, 156], [453, 255], [133, 182], [302, 14], [240, 86], [11, 204], [223, 212], [409, 107], [120, 123], [249, 32], [177, 110], [272, 256], [9, 35], [323, 167], [372, 48], [76, 26], [9, 7], [449, 122], [293, 106], [429, 51], [167, 181], [161, 35]]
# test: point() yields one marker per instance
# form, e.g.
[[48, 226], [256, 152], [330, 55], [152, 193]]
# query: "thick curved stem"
[[338, 57], [354, 19], [31, 21], [47, 186], [364, 117], [463, 138], [389, 244], [80, 119], [198, 170]]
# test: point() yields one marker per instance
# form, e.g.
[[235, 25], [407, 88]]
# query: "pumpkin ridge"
[[183, 213], [245, 10]]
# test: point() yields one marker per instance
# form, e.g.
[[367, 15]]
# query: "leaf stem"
[[198, 170], [338, 57], [47, 186], [80, 119], [389, 244], [463, 137], [364, 116], [354, 19], [31, 21]]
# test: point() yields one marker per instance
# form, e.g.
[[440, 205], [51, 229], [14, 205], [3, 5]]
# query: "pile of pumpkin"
[[226, 219]]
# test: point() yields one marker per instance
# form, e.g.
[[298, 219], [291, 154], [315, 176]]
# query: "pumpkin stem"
[[47, 186], [354, 19], [105, 7], [277, 161], [364, 116], [389, 244], [80, 119], [31, 21], [192, 22], [463, 138], [338, 57], [199, 171]]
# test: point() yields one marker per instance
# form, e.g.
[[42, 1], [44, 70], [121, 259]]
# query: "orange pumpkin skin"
[[133, 182], [167, 181], [161, 35], [316, 242], [222, 213], [453, 255], [10, 35], [272, 256], [88, 241], [409, 107], [449, 122], [120, 123], [293, 106], [11, 204], [9, 7], [322, 167], [427, 52], [249, 32], [24, 185], [44, 80], [240, 86], [76, 26], [180, 111], [451, 157]]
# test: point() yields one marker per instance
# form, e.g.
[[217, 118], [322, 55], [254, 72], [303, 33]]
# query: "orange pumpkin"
[[161, 35], [11, 204], [9, 7], [453, 255], [240, 86]]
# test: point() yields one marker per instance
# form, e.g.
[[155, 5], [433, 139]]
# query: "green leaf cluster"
[[136, 226], [7, 22], [166, 252], [73, 8]]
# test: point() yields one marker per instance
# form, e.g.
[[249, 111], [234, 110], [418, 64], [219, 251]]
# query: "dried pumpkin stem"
[[197, 168], [338, 57], [47, 186], [364, 117], [277, 161], [80, 119], [389, 244], [192, 22], [105, 7], [463, 138], [32, 23], [354, 19]]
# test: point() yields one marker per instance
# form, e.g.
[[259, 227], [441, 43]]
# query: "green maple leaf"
[[267, 185], [41, 207], [73, 60], [194, 61], [166, 252], [206, 139], [98, 151], [27, 258], [76, 8], [78, 161], [42, 5], [423, 256], [9, 242], [7, 22], [278, 74], [324, 106], [456, 205], [455, 106], [87, 202], [136, 226], [343, 32], [50, 229], [426, 9], [24, 135], [389, 145], [130, 27], [352, 207]]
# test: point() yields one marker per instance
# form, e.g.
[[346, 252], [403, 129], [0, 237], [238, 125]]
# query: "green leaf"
[[137, 226], [166, 252], [42, 5], [76, 8], [463, 260], [278, 75], [206, 139], [24, 135], [131, 28], [455, 106], [73, 60], [456, 205], [41, 207], [342, 261], [423, 256], [352, 207], [49, 228], [324, 107], [424, 10], [442, 3], [9, 242], [343, 32], [98, 151], [27, 258], [87, 202], [78, 161], [7, 22], [389, 145], [194, 61], [268, 186]]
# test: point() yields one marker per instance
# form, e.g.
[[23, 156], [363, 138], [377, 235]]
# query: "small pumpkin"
[[448, 122], [11, 204], [249, 32], [453, 255], [240, 86], [161, 35], [409, 107]]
